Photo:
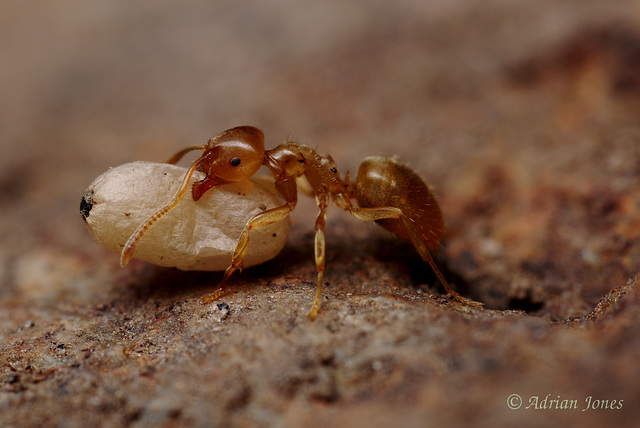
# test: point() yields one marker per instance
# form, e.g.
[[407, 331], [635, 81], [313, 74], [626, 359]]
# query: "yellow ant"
[[387, 192]]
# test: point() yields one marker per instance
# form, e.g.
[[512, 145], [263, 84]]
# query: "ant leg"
[[321, 220], [287, 189], [427, 257], [379, 213], [265, 218], [304, 186]]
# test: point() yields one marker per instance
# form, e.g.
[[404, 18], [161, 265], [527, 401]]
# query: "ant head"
[[234, 155]]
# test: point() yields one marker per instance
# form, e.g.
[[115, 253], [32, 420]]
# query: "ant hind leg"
[[380, 213]]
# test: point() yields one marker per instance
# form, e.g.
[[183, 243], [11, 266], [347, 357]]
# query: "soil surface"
[[523, 116]]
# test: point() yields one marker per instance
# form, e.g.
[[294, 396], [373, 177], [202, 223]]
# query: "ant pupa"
[[194, 235]]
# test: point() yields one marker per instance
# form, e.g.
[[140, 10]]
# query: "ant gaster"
[[387, 192]]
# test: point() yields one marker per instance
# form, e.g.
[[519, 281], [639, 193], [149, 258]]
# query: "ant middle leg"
[[319, 251]]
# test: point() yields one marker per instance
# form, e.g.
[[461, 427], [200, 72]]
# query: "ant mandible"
[[387, 192]]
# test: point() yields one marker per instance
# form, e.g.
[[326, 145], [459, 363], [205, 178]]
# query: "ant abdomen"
[[383, 182]]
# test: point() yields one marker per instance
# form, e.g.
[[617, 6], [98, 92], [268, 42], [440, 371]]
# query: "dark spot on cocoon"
[[86, 204]]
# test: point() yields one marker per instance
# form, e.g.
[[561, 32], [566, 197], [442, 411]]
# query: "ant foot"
[[466, 301], [213, 296]]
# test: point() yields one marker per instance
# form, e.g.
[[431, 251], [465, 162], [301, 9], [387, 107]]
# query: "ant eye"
[[235, 161]]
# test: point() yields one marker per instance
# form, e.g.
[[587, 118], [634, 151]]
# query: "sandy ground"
[[523, 116]]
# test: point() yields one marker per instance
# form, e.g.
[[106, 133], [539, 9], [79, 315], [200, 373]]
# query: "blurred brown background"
[[524, 116]]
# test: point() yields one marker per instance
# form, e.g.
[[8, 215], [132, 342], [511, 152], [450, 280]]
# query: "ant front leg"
[[286, 186], [265, 218]]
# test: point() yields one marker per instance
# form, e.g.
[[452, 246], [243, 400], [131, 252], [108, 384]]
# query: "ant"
[[387, 192]]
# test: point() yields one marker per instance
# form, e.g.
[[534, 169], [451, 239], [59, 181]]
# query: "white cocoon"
[[194, 235]]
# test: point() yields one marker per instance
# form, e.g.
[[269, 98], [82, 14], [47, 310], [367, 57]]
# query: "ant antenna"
[[134, 239]]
